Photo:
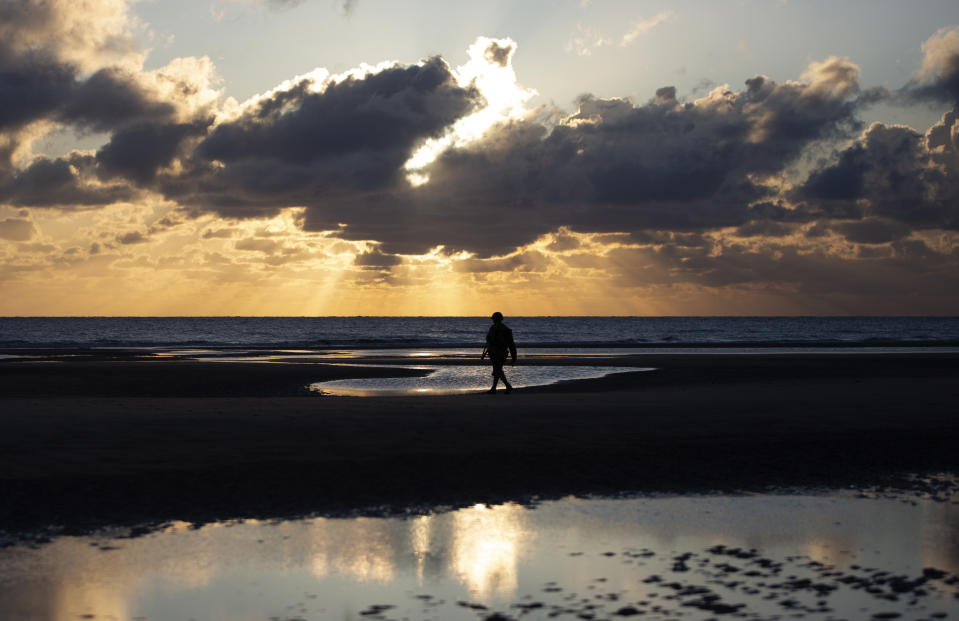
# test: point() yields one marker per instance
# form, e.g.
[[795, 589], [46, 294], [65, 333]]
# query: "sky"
[[580, 157]]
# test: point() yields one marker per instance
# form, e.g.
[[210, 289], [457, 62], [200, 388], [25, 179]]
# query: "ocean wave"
[[466, 332]]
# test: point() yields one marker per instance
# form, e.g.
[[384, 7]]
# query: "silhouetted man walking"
[[499, 344]]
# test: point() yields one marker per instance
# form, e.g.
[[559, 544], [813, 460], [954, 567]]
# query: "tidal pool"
[[449, 379], [834, 556]]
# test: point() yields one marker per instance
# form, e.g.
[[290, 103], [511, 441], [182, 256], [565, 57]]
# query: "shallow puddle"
[[780, 556], [462, 378]]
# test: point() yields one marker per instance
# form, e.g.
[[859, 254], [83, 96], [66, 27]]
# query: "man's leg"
[[497, 373]]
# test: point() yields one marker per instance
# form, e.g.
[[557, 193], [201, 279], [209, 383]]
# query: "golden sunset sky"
[[312, 157]]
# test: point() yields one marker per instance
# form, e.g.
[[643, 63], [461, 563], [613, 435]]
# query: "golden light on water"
[[487, 545], [368, 554], [482, 554], [420, 543], [74, 600]]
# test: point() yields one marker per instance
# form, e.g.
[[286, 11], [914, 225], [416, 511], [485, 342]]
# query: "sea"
[[452, 332]]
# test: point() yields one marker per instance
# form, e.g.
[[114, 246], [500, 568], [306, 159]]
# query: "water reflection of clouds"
[[367, 552], [484, 554], [487, 545], [420, 543], [940, 537]]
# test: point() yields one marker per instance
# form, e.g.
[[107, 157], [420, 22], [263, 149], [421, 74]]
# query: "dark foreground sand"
[[90, 441]]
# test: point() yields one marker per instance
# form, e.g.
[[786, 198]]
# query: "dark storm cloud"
[[386, 113], [111, 98], [37, 85], [62, 182], [138, 151], [34, 86], [907, 268], [899, 178], [764, 228], [55, 67], [667, 172], [614, 166], [872, 231], [327, 150]]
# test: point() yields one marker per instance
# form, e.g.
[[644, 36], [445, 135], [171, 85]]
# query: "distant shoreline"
[[93, 441]]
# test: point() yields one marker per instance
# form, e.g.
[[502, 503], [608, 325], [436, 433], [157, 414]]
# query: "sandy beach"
[[96, 440]]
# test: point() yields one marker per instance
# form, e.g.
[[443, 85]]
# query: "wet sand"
[[92, 441]]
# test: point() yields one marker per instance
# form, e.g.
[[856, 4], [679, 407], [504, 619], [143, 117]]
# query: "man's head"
[[497, 317]]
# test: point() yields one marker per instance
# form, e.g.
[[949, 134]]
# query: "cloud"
[[940, 66], [266, 246], [381, 113], [133, 237], [713, 190], [585, 40], [224, 233], [894, 176], [499, 54], [17, 229], [75, 66], [137, 152], [46, 50], [618, 166], [84, 35], [34, 85], [69, 182], [316, 144], [376, 258], [338, 147], [872, 231], [645, 25], [110, 98]]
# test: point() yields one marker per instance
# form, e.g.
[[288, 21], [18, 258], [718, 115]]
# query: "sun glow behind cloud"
[[490, 71], [368, 190]]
